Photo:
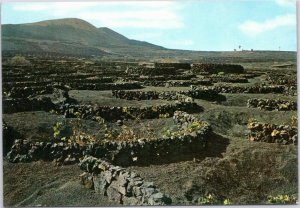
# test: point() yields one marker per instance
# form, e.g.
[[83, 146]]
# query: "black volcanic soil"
[[244, 172], [43, 184], [232, 167]]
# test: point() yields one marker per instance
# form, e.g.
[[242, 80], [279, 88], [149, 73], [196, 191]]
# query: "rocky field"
[[82, 132]]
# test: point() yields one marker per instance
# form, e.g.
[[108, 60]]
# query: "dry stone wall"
[[204, 93], [151, 95], [291, 90], [7, 85], [270, 104], [41, 102], [177, 83], [136, 95], [271, 133], [116, 113], [194, 93], [231, 79], [161, 77], [23, 92], [288, 80], [251, 89], [14, 105], [146, 71], [119, 185], [88, 79], [250, 75], [9, 134], [106, 86], [58, 152], [174, 65], [216, 68], [191, 138]]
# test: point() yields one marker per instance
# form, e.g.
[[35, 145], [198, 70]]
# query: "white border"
[[298, 100]]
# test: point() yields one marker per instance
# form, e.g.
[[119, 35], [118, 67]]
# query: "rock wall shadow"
[[8, 137], [213, 147]]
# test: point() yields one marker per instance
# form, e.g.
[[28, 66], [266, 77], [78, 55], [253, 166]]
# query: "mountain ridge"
[[75, 22], [69, 35], [77, 37]]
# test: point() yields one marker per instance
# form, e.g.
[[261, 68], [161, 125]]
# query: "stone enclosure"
[[177, 93]]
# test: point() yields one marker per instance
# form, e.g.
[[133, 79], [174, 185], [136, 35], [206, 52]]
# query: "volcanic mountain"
[[70, 36]]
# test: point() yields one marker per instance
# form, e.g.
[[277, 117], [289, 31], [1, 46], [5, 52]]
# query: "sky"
[[202, 25]]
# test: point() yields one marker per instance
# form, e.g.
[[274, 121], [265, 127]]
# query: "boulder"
[[86, 179], [100, 184]]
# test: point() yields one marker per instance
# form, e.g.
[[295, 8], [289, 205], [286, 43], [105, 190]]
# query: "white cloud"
[[159, 19], [253, 28], [177, 43], [69, 7], [137, 14], [147, 35], [187, 42], [31, 7], [286, 3], [53, 7]]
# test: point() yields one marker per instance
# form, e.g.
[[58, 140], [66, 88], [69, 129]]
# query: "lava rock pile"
[[253, 89], [118, 113], [270, 104], [271, 133], [120, 185], [216, 68], [61, 153]]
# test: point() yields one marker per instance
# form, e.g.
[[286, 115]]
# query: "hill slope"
[[68, 36], [72, 36]]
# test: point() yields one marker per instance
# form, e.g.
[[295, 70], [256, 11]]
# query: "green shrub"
[[282, 199], [211, 199], [19, 60], [207, 200], [61, 131]]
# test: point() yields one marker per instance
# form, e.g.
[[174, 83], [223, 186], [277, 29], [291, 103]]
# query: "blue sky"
[[206, 25]]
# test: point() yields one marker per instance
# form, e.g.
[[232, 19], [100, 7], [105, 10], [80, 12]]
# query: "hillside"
[[72, 36], [68, 36]]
